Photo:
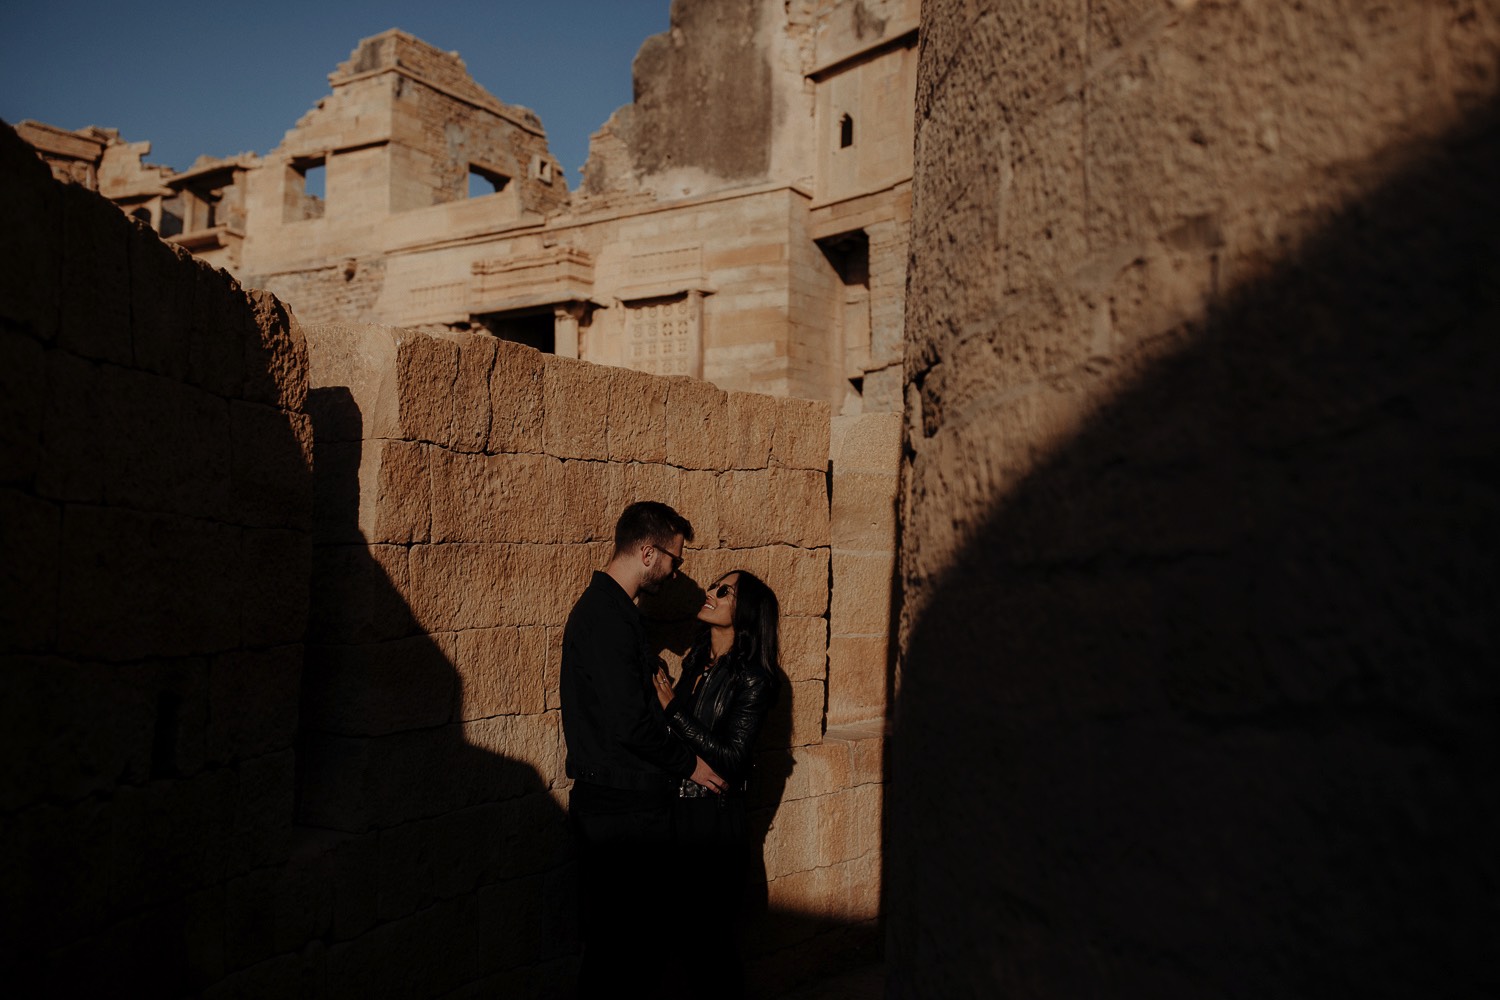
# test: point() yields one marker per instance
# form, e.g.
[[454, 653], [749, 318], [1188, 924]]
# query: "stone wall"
[[863, 70], [889, 244], [467, 489], [155, 512], [331, 294], [864, 537], [1199, 542]]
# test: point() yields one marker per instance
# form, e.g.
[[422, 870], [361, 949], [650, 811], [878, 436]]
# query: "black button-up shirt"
[[616, 732]]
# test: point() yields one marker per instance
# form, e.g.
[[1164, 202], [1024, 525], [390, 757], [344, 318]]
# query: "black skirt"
[[709, 835]]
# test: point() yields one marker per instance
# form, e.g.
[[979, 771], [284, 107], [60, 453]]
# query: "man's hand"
[[707, 777]]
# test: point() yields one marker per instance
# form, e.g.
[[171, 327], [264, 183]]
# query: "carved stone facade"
[[745, 224]]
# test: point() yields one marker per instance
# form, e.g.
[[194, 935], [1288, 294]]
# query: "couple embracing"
[[659, 771]]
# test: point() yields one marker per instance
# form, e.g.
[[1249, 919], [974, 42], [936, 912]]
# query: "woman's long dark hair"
[[757, 629]]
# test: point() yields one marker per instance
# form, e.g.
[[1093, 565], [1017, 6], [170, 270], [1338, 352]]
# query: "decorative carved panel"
[[682, 264], [557, 274], [664, 336]]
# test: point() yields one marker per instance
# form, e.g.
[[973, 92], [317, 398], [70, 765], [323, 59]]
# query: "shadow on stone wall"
[[457, 857], [1207, 707], [450, 865], [154, 546]]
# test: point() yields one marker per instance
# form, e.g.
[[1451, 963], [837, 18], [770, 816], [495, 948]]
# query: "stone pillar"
[[566, 317], [865, 456], [888, 249], [695, 339]]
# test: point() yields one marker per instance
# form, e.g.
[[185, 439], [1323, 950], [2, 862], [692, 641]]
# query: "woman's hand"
[[663, 686]]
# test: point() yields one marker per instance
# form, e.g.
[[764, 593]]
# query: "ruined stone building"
[[1186, 689], [281, 617], [744, 220], [283, 589], [201, 209]]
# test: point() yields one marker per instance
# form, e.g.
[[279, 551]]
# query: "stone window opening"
[[172, 212], [201, 210], [306, 190], [314, 180], [541, 168], [846, 132], [849, 255], [483, 181], [532, 327]]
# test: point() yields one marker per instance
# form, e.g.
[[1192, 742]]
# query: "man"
[[625, 764]]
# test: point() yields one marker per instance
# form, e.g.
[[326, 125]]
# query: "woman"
[[728, 685]]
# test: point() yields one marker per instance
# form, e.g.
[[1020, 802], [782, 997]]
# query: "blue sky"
[[195, 79]]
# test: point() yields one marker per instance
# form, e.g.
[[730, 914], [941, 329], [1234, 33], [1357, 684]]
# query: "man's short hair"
[[650, 522]]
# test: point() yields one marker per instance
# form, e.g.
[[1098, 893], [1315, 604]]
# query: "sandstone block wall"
[[467, 488], [155, 514], [874, 94], [1198, 543], [866, 458], [890, 241]]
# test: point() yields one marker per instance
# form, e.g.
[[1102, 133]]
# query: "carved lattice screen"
[[663, 335]]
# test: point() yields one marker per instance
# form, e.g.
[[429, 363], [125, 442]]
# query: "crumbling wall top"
[[708, 99], [395, 50], [848, 30], [96, 158]]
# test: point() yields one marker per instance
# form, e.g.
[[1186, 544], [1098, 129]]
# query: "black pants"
[[624, 842]]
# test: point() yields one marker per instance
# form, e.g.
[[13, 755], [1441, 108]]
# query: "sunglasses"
[[676, 559], [722, 591]]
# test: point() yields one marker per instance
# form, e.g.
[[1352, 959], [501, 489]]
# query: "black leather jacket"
[[721, 719]]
